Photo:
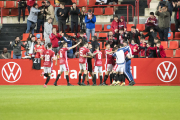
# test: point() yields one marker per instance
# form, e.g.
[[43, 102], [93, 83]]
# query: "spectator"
[[5, 54], [94, 43], [112, 2], [30, 4], [29, 37], [17, 48], [83, 36], [134, 48], [142, 48], [47, 30], [122, 23], [41, 17], [176, 8], [111, 40], [55, 37], [121, 36], [32, 18], [90, 20], [82, 19], [49, 11], [151, 34], [39, 48], [30, 46], [62, 15], [159, 50], [101, 2], [134, 35], [74, 12], [151, 22], [57, 3], [115, 25], [163, 20], [21, 6]]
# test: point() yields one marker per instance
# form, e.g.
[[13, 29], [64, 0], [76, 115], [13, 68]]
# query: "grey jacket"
[[163, 19], [47, 29], [17, 47], [33, 15], [29, 43]]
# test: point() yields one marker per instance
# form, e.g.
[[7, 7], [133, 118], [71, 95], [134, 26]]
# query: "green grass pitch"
[[90, 103]]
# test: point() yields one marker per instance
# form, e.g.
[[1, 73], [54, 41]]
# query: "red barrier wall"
[[145, 72]]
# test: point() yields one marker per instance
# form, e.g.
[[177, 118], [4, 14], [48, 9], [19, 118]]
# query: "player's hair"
[[115, 48], [49, 45], [125, 42], [84, 43], [97, 47], [151, 13], [133, 27], [65, 35], [64, 43], [120, 45], [107, 44], [156, 38]]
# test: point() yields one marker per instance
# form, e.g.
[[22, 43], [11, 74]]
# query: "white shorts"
[[98, 69], [64, 67], [119, 68], [47, 69], [83, 66], [108, 67]]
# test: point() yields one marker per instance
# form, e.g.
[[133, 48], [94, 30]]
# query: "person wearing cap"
[[90, 20], [49, 11], [47, 30]]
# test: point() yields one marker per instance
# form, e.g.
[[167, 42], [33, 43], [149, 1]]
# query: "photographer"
[[41, 17], [17, 48]]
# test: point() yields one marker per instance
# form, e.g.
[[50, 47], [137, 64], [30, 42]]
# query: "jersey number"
[[47, 57], [81, 52], [60, 55], [99, 56]]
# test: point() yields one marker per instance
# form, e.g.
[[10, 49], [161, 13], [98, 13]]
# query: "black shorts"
[[89, 65]]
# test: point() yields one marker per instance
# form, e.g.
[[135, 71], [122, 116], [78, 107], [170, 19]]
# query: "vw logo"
[[166, 71], [11, 72]]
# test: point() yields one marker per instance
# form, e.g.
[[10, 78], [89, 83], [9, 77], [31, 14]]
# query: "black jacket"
[[94, 43], [63, 11], [176, 9], [82, 17], [74, 14], [123, 37], [41, 15], [136, 36], [151, 35]]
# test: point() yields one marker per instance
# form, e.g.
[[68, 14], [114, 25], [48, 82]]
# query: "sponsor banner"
[[145, 72]]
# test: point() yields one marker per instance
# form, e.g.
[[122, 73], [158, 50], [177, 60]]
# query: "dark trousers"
[[147, 29], [76, 27], [163, 34], [39, 23], [29, 8], [62, 25], [23, 11], [177, 23], [135, 56]]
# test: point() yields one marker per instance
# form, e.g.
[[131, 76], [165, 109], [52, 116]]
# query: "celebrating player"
[[63, 62], [109, 63], [48, 56], [38, 48]]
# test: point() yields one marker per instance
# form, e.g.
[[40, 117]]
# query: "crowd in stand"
[[45, 15]]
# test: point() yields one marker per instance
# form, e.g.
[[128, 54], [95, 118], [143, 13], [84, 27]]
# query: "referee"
[[89, 60]]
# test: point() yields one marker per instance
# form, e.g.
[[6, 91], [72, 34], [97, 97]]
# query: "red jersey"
[[98, 58], [40, 49], [48, 57], [83, 51], [142, 51], [109, 57], [63, 56], [135, 46]]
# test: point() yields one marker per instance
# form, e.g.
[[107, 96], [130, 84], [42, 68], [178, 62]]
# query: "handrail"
[[137, 9], [148, 3], [88, 6]]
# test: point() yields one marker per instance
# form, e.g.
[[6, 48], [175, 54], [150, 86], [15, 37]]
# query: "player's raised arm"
[[74, 45]]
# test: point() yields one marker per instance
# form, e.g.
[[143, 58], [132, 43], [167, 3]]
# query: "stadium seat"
[[170, 36], [98, 11], [23, 53], [103, 53], [10, 4], [164, 44], [83, 3], [144, 33], [169, 53], [98, 28], [1, 4], [22, 48], [101, 46], [56, 26], [177, 53], [11, 54], [103, 35], [95, 34], [177, 36], [173, 44], [70, 34], [92, 2], [109, 11], [74, 1], [25, 36], [173, 28], [14, 12], [41, 36], [129, 26], [140, 27], [107, 27], [5, 12], [26, 12]]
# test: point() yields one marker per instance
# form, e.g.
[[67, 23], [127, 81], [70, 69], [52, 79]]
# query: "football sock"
[[111, 78], [100, 79], [123, 78], [105, 78], [94, 81], [80, 77], [87, 82], [117, 77], [84, 77], [67, 78], [57, 78], [45, 74], [47, 80], [114, 76]]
